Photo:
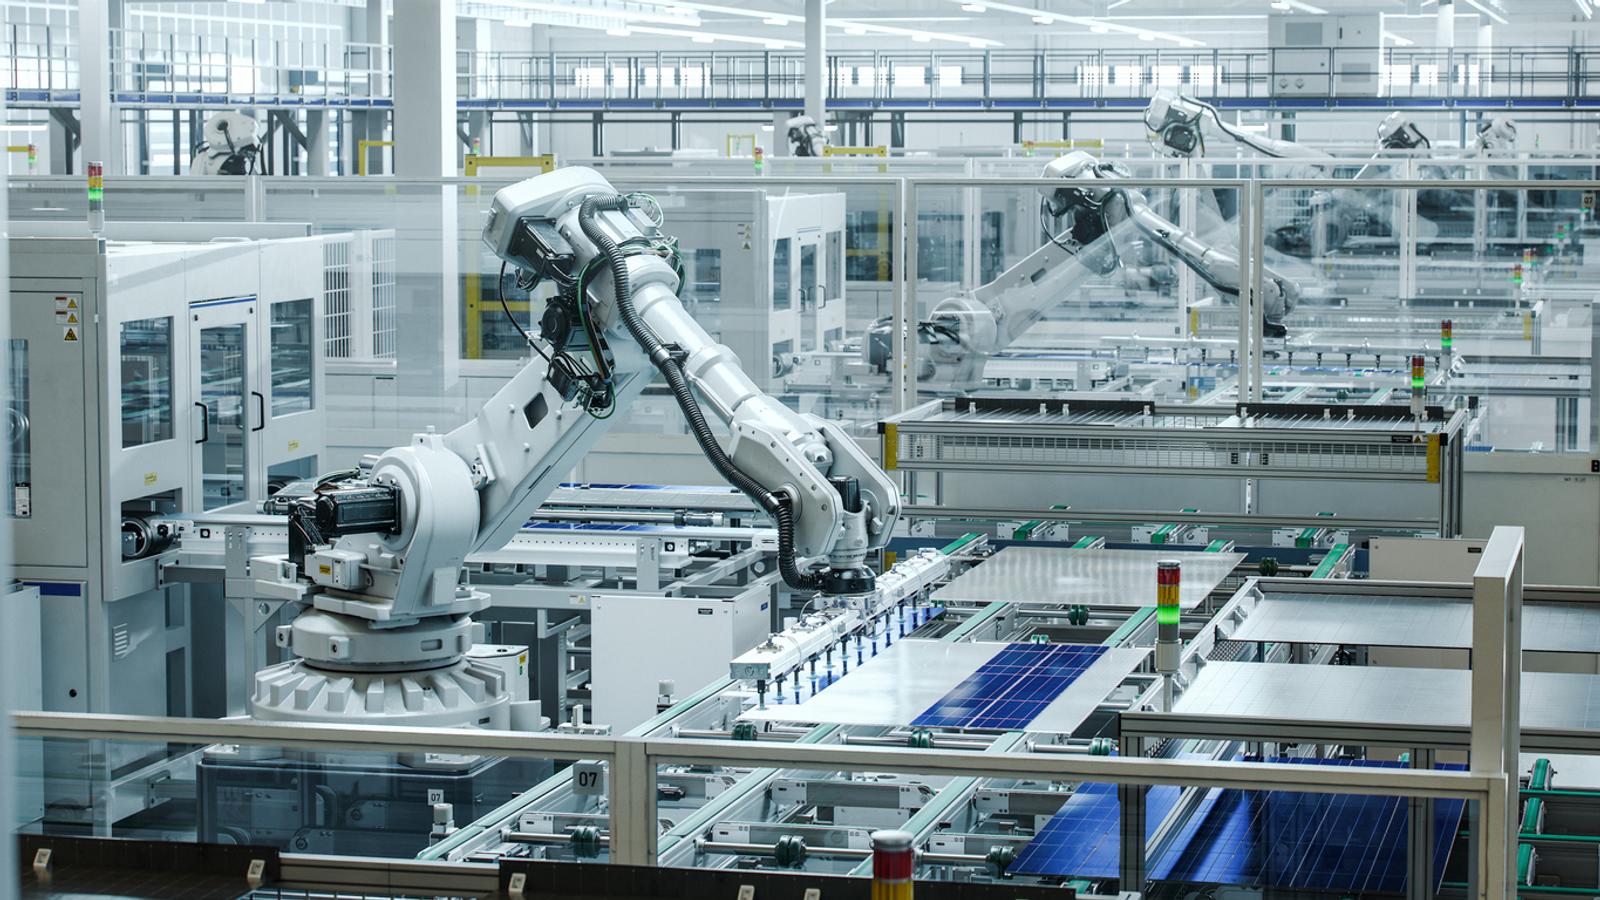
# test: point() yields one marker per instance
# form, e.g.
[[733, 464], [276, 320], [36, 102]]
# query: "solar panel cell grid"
[[1272, 839], [1012, 688]]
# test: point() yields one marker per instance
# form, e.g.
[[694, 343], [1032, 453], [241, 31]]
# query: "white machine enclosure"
[[640, 640], [149, 379]]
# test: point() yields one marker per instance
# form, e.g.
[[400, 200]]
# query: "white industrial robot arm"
[[972, 326], [229, 147], [425, 507], [1178, 126]]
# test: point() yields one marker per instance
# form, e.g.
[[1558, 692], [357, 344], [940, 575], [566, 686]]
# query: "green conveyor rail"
[[1217, 546], [1525, 864], [703, 816], [1160, 535], [975, 621], [1085, 543], [1134, 620], [1540, 779], [1331, 561], [929, 817], [1530, 817], [955, 546], [1551, 792]]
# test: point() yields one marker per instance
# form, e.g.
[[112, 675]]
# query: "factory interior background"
[[829, 448]]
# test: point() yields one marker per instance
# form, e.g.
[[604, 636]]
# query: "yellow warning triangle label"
[[70, 336], [746, 245], [72, 304], [72, 318]]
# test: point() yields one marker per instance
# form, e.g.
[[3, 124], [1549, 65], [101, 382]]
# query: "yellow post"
[[728, 144], [362, 146], [472, 283]]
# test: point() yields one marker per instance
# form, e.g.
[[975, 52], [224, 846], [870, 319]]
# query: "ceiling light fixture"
[[774, 20], [973, 7], [1146, 36], [856, 30], [1488, 10], [1057, 18], [618, 32], [1585, 8]]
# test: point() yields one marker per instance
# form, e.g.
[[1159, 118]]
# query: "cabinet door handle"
[[205, 422], [261, 410]]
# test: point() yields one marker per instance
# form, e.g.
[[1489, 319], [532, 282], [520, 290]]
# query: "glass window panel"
[[222, 390], [146, 381], [20, 462], [780, 274], [291, 357]]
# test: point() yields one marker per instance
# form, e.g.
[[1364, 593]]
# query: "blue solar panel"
[[1276, 839], [1012, 688]]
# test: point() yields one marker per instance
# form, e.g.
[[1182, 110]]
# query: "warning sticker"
[[69, 334]]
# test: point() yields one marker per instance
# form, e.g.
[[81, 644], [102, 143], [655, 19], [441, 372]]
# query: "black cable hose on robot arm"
[[776, 505]]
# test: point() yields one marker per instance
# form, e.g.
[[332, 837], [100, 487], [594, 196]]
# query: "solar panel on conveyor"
[[1276, 839], [1012, 688]]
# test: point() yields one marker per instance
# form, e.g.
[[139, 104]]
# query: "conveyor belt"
[[913, 678], [1365, 620], [1380, 695], [1053, 575]]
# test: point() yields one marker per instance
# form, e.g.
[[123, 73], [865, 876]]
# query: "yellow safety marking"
[[544, 163], [891, 446], [1433, 459], [362, 146]]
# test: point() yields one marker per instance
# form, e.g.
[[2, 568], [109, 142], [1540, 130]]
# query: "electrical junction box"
[[1315, 56], [337, 568], [512, 659]]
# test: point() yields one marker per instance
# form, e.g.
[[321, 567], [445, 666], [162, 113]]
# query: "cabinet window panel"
[[835, 265], [146, 381], [20, 463], [780, 274], [291, 357]]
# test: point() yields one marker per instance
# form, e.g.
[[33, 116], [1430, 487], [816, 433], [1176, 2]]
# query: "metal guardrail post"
[[633, 805], [1496, 700]]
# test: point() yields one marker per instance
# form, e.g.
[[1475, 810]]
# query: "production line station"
[[1210, 511]]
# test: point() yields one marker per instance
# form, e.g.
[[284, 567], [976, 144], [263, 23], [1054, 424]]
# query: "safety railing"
[[167, 68], [630, 766], [1503, 260]]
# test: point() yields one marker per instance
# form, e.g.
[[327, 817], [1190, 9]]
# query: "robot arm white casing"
[[473, 488], [1178, 126], [993, 316]]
